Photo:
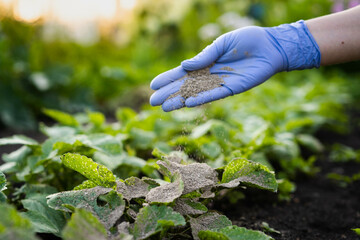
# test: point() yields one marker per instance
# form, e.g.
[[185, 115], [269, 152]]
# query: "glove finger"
[[207, 56], [167, 77], [173, 104], [208, 96], [158, 97]]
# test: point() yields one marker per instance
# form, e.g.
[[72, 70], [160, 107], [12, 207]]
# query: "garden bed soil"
[[319, 208]]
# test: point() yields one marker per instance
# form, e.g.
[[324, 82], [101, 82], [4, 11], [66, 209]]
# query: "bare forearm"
[[338, 36]]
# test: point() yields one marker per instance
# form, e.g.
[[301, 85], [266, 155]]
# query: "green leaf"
[[85, 185], [2, 182], [310, 143], [97, 118], [2, 187], [233, 233], [142, 139], [285, 188], [356, 230], [211, 150], [112, 162], [13, 226], [153, 219], [166, 193], [269, 229], [61, 117], [97, 173], [158, 153], [249, 173], [124, 115], [103, 142], [189, 207], [17, 155], [208, 221], [43, 218], [58, 131], [106, 204], [342, 153], [18, 139], [76, 147], [83, 226]]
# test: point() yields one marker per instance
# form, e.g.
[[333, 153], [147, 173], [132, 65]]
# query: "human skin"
[[338, 36]]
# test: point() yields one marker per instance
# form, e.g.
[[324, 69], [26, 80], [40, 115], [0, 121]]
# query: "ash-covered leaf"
[[106, 204], [13, 225], [167, 193], [132, 187], [208, 221], [189, 207], [43, 218], [249, 173], [61, 117], [153, 219], [18, 139], [195, 175], [85, 185], [84, 226], [232, 233], [87, 167]]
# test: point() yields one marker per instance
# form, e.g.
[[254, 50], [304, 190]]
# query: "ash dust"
[[199, 81]]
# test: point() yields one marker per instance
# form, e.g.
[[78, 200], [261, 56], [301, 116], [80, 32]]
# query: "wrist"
[[296, 45]]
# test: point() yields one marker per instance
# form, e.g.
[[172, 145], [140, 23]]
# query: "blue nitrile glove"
[[254, 54]]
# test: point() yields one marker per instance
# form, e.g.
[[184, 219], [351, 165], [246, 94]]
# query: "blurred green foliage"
[[65, 75]]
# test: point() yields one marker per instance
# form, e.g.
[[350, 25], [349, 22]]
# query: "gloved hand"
[[253, 54]]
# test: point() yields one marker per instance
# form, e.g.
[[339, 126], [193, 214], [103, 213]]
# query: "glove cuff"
[[297, 46]]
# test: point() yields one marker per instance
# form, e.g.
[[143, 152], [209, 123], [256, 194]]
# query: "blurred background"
[[74, 55]]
